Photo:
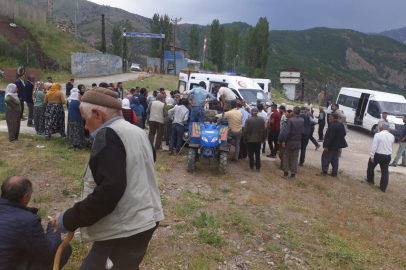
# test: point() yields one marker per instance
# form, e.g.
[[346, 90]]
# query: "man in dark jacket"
[[254, 135], [120, 90], [143, 101], [334, 141], [291, 143], [20, 82], [24, 245], [308, 121], [29, 89]]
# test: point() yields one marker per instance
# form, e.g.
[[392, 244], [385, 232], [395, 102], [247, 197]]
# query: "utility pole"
[[103, 35], [175, 23], [124, 51], [76, 24]]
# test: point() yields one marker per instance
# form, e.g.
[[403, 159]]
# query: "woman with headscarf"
[[128, 114], [13, 113], [76, 130], [54, 112], [82, 89], [39, 108], [139, 111]]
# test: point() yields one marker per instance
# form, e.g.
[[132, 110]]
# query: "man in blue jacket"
[[29, 89], [24, 245]]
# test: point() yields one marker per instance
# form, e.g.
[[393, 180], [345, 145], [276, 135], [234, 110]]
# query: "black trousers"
[[243, 147], [321, 130], [328, 122], [305, 142], [273, 141], [254, 148], [331, 157], [383, 161], [125, 253], [22, 108], [312, 139]]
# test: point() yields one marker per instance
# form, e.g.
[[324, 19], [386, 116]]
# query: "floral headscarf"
[[38, 86]]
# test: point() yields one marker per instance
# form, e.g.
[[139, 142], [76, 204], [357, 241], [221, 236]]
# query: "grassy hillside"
[[55, 43]]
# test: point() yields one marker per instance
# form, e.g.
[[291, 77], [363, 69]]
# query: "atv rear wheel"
[[223, 162], [191, 165]]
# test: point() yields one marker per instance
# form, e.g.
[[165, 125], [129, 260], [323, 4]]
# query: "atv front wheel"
[[223, 162], [191, 165]]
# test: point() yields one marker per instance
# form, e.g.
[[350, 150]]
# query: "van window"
[[351, 102], [262, 85], [373, 109], [269, 87], [341, 99]]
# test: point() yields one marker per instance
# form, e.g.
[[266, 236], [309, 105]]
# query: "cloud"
[[361, 15]]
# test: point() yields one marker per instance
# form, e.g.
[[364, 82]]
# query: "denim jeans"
[[401, 153], [176, 137], [197, 114]]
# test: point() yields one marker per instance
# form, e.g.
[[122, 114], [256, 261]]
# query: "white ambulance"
[[243, 87], [266, 85]]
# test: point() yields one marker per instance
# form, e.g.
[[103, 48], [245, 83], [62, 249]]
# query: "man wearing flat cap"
[[121, 205]]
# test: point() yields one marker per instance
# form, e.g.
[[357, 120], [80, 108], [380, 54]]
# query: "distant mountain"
[[396, 34], [335, 57]]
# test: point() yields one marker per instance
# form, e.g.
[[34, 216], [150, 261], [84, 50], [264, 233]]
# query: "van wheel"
[[374, 130]]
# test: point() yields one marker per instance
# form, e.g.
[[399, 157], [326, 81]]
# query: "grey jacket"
[[293, 130], [179, 114], [157, 112]]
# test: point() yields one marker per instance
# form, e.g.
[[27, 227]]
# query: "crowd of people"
[[121, 207]]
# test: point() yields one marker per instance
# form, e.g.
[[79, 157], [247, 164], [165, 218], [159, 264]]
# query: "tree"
[[257, 47], [116, 40], [217, 44], [194, 43], [160, 25], [233, 48]]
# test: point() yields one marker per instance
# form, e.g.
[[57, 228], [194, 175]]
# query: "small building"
[[290, 77], [154, 64]]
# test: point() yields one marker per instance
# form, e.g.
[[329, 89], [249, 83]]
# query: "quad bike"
[[208, 141]]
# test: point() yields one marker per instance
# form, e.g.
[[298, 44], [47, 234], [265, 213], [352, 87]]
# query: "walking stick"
[[64, 244]]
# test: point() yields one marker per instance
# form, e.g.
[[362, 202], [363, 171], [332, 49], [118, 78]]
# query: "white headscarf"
[[126, 104], [170, 101], [74, 94], [10, 91]]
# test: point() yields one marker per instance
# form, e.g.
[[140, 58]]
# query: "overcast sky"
[[361, 15]]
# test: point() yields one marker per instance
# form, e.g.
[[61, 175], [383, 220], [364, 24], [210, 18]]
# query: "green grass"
[[205, 220], [211, 238], [54, 43], [188, 204], [169, 82]]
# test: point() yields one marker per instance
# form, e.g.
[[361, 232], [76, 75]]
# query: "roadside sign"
[[143, 35]]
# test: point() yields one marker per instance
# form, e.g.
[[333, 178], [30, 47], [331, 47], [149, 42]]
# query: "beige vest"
[[156, 113], [140, 207]]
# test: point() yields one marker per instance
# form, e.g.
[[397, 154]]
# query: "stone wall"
[[93, 64], [21, 10]]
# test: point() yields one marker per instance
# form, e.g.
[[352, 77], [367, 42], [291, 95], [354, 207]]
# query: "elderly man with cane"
[[121, 206]]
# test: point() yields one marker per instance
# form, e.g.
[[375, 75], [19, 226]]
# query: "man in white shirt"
[[309, 105], [226, 96], [381, 154], [264, 115]]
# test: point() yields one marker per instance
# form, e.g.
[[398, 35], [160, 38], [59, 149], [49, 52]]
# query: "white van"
[[266, 85], [243, 87], [364, 108]]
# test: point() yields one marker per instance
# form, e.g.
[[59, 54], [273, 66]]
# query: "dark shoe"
[[285, 175], [334, 175], [258, 170], [273, 156], [269, 156], [167, 143], [234, 160], [170, 153], [322, 174], [301, 164], [393, 165], [293, 176]]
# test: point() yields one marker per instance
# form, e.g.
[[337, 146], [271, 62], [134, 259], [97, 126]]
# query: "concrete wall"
[[290, 91], [93, 64], [21, 10]]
